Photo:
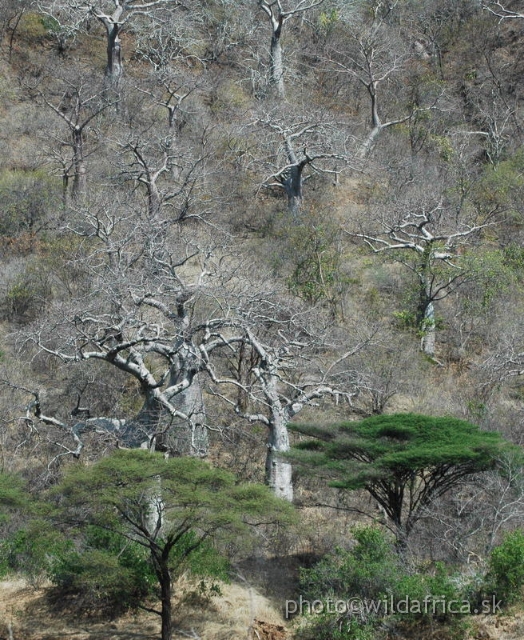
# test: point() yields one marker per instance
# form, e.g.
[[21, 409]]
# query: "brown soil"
[[240, 612]]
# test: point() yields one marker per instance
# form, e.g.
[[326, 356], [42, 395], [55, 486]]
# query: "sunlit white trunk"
[[278, 470], [426, 311], [427, 341]]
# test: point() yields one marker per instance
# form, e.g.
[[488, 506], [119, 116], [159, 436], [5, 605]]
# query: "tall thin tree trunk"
[[277, 67], [114, 67], [427, 341], [426, 318], [79, 177], [369, 142], [163, 574]]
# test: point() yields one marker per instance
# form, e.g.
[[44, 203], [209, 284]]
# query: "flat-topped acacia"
[[404, 461]]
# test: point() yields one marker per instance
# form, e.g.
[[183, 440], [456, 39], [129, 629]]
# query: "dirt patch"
[[25, 614], [265, 631]]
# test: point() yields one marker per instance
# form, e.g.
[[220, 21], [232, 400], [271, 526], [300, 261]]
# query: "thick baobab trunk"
[[277, 68], [154, 426], [278, 469], [189, 437], [143, 428]]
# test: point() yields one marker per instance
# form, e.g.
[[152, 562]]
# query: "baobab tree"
[[114, 15], [302, 143], [276, 371], [172, 177], [426, 237], [156, 303], [371, 53], [170, 93], [141, 279], [278, 15]]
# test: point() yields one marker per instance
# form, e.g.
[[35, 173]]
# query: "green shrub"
[[428, 595], [109, 573], [505, 576], [369, 570], [33, 551], [97, 579], [369, 579], [27, 294], [105, 572], [330, 627], [203, 562]]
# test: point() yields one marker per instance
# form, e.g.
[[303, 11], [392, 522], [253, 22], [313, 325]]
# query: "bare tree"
[[114, 15], [323, 149], [134, 312], [375, 56], [280, 367], [278, 15], [12, 14], [171, 176], [78, 106], [470, 521], [430, 234], [170, 93], [501, 10]]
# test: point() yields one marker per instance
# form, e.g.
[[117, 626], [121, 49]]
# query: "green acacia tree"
[[404, 461], [172, 507]]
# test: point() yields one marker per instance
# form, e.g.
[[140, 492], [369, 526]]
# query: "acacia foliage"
[[404, 461], [122, 491], [171, 507]]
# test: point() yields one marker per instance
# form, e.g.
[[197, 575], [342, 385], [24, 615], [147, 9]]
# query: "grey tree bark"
[[292, 164]]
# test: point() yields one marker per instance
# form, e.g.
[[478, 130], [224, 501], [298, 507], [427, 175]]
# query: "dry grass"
[[230, 616]]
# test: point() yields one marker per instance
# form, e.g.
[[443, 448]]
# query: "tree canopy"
[[404, 461], [169, 506]]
